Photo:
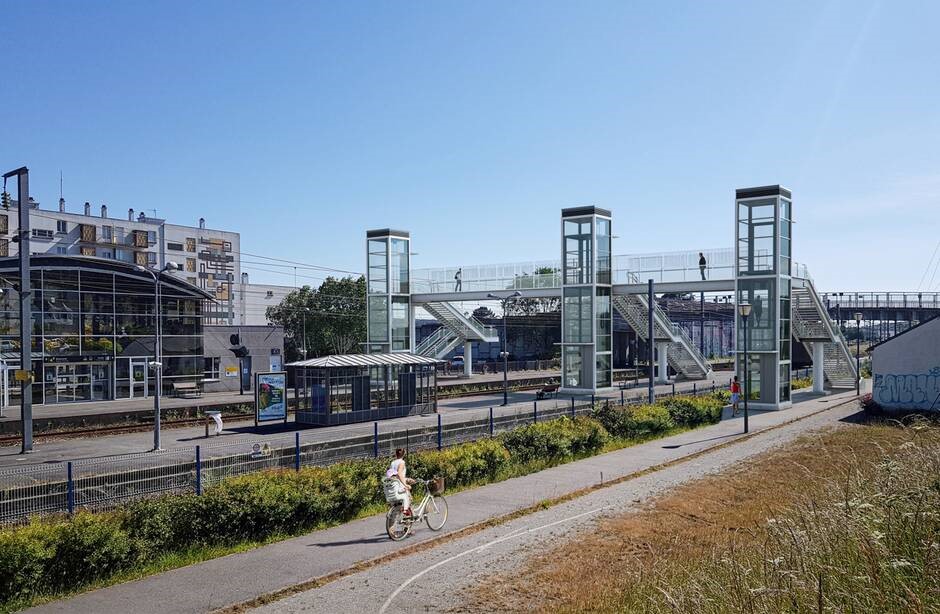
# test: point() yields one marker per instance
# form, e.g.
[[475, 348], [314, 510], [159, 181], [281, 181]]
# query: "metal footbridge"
[[672, 273]]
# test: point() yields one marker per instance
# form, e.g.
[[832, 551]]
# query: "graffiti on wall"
[[908, 390]]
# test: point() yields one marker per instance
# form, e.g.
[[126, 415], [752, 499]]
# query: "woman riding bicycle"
[[397, 470]]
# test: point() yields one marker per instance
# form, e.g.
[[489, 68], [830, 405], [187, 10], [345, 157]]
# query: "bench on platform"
[[186, 389], [546, 391]]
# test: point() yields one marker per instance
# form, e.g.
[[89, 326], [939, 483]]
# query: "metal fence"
[[108, 482]]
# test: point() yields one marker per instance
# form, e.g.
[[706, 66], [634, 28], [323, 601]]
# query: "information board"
[[270, 396]]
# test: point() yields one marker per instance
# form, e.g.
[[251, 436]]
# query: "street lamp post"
[[745, 310], [858, 353], [305, 312], [157, 353], [505, 351]]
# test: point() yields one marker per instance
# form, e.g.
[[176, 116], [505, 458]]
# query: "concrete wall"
[[265, 345], [906, 369]]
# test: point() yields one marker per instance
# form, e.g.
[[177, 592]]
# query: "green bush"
[[555, 439], [25, 553], [88, 547], [469, 463]]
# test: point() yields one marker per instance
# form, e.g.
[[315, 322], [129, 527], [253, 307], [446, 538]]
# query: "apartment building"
[[207, 258]]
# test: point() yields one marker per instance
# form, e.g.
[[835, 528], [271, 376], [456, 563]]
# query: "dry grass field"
[[846, 520]]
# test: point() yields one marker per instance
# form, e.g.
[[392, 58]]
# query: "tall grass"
[[865, 538]]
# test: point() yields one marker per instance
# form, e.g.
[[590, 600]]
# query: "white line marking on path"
[[498, 540]]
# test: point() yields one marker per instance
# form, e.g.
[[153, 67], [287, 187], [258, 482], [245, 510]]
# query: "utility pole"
[[26, 320]]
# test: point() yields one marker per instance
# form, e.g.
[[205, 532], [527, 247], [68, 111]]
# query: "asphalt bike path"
[[242, 577]]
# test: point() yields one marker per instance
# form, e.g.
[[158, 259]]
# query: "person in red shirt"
[[735, 395]]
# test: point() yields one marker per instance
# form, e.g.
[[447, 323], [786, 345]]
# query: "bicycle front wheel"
[[436, 513], [395, 524]]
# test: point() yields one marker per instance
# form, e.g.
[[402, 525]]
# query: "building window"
[[4, 224], [88, 233], [151, 237], [211, 367], [88, 251], [42, 233], [107, 253], [140, 238], [190, 265], [61, 250], [191, 280], [4, 247], [177, 247], [141, 258], [61, 226], [151, 258], [190, 244], [106, 233]]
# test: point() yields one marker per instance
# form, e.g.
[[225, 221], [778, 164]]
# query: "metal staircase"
[[812, 324], [455, 329], [682, 355]]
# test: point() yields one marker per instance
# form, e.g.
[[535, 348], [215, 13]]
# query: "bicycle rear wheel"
[[436, 513], [395, 524]]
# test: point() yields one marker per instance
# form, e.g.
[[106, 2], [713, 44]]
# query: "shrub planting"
[[554, 440]]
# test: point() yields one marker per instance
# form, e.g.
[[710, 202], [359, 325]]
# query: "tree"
[[483, 313], [335, 318]]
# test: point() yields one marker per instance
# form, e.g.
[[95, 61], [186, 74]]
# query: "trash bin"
[[214, 417]]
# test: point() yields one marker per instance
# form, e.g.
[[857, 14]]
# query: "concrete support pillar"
[[662, 362], [467, 358], [819, 374]]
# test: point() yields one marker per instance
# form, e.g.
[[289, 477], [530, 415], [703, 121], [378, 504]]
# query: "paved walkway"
[[452, 411], [237, 578]]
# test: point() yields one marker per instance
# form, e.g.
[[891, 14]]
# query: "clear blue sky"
[[472, 124]]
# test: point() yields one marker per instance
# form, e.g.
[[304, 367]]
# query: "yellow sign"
[[231, 371], [23, 375]]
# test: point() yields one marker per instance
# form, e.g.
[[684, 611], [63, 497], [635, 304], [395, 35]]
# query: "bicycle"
[[432, 510]]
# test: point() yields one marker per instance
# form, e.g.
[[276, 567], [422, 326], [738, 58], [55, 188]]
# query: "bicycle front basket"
[[437, 486]]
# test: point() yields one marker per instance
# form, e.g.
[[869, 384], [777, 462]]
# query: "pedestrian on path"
[[735, 395], [398, 471], [702, 264], [458, 280]]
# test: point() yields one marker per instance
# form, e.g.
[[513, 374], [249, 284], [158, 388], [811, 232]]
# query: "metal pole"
[[375, 440], [747, 375], [651, 298], [198, 471], [491, 422], [505, 358], [305, 336], [858, 353], [157, 365], [701, 324], [440, 433], [71, 489], [297, 451], [535, 412], [26, 314]]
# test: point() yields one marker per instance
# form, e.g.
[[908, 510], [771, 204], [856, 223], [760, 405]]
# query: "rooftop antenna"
[[60, 183]]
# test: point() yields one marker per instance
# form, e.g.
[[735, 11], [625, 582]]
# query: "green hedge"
[[60, 554], [555, 439], [644, 421]]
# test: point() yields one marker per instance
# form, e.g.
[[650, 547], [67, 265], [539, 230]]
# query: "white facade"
[[207, 258], [254, 299]]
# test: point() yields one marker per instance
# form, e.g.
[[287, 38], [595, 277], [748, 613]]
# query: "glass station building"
[[93, 329]]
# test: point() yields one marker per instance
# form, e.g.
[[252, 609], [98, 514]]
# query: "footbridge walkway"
[[672, 273]]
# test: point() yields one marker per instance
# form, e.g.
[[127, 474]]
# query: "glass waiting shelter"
[[350, 388]]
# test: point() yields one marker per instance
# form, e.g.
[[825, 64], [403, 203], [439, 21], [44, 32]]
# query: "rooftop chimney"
[[202, 222], [87, 208], [130, 215], [141, 217], [61, 205], [104, 210]]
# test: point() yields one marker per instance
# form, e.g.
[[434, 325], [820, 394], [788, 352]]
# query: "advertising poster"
[[270, 397]]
